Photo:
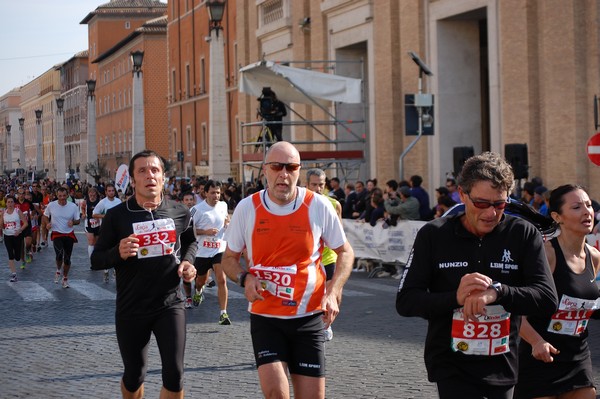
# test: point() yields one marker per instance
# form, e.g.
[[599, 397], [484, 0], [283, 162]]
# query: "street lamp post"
[[39, 165], [219, 160], [139, 135], [60, 140], [92, 149], [5, 145], [22, 142], [9, 147]]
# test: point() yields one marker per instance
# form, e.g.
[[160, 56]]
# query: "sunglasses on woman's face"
[[482, 204], [278, 166]]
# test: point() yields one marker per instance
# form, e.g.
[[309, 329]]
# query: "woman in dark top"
[[377, 210], [554, 357]]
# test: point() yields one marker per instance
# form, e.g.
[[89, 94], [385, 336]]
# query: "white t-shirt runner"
[[207, 217], [60, 215], [105, 204]]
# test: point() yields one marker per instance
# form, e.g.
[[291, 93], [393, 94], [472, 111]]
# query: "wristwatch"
[[241, 277], [496, 286]]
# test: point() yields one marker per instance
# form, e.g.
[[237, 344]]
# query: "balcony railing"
[[271, 11]]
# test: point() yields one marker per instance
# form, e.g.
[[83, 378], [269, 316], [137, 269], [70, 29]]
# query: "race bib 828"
[[488, 336]]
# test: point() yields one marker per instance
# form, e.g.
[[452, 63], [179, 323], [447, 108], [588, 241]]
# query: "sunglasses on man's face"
[[278, 166], [482, 204]]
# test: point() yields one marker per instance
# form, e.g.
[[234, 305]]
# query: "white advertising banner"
[[122, 178], [387, 245]]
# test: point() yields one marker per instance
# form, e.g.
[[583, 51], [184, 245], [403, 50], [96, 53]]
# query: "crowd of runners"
[[507, 304]]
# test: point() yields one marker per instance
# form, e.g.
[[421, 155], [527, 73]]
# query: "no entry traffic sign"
[[593, 149]]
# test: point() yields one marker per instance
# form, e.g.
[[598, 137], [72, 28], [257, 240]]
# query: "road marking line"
[[30, 291], [231, 294], [91, 290], [348, 292], [373, 286]]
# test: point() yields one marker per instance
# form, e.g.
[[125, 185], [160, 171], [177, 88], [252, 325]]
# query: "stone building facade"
[[73, 74], [10, 113], [41, 94], [504, 72]]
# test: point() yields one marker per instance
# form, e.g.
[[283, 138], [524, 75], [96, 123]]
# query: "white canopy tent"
[[299, 85], [296, 85]]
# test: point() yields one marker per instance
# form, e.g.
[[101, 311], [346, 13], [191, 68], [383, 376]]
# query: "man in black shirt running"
[[148, 241], [471, 276]]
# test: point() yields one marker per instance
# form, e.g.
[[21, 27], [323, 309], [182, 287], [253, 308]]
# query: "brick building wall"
[[110, 22], [188, 84], [114, 97]]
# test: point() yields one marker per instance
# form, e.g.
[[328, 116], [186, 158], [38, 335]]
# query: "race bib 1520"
[[278, 280]]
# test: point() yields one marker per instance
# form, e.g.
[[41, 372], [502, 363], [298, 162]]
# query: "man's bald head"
[[282, 149]]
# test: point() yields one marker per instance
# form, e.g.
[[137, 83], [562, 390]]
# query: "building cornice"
[[153, 26], [123, 8]]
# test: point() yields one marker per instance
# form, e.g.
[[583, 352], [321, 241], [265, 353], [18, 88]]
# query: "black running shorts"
[[203, 265], [93, 230], [298, 342]]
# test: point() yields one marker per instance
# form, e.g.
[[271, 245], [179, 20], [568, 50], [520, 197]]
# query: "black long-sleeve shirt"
[[443, 252], [144, 286]]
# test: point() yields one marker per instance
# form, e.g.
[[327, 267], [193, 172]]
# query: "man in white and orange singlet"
[[284, 229]]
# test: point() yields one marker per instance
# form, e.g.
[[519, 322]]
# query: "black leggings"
[[13, 245], [63, 246], [133, 336]]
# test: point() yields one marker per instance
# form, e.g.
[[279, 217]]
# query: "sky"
[[35, 35]]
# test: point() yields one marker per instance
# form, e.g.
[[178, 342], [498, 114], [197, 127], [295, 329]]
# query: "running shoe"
[[43, 244], [106, 276], [224, 320], [56, 277], [39, 248], [211, 283], [188, 303], [65, 283], [28, 257], [23, 265], [198, 298], [328, 334], [13, 278]]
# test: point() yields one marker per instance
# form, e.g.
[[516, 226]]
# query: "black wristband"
[[242, 278]]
